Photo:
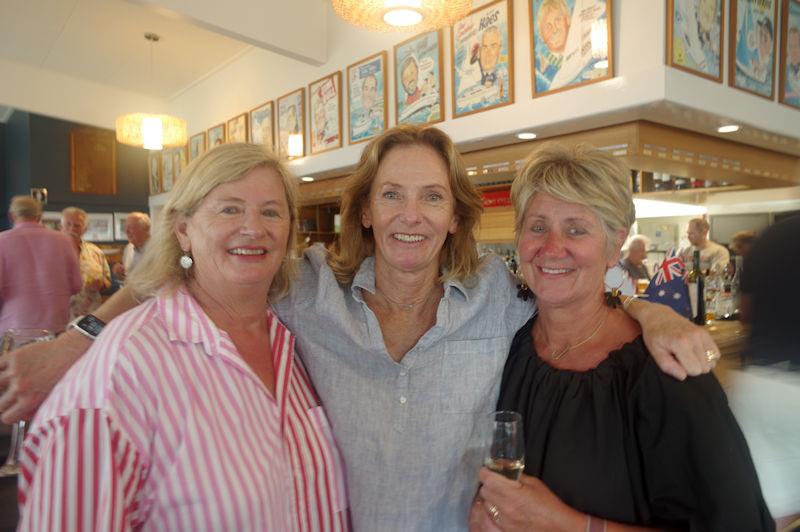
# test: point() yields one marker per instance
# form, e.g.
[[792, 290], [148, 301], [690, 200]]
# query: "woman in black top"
[[611, 442]]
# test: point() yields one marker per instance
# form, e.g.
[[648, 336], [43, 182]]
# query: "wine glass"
[[506, 452], [13, 339]]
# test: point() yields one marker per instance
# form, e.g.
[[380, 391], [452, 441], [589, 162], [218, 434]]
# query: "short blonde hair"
[[25, 208], [141, 218], [582, 175], [76, 211], [700, 224], [227, 163], [459, 256]]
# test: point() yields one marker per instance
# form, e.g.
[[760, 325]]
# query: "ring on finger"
[[712, 355], [494, 512]]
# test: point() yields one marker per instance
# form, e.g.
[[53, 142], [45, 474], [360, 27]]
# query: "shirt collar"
[[365, 280]]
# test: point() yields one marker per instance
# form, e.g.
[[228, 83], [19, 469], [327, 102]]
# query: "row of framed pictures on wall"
[[571, 45], [695, 37], [100, 226], [164, 167]]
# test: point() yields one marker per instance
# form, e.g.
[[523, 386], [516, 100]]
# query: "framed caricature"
[[482, 58], [262, 129], [325, 106], [291, 121], [197, 145], [51, 220], [167, 170], [119, 226], [237, 128], [154, 172], [178, 163], [216, 136], [99, 227], [694, 36], [418, 79], [571, 44], [789, 92], [752, 46], [366, 97]]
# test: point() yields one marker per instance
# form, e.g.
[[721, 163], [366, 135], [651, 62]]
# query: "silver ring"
[[712, 355], [494, 512]]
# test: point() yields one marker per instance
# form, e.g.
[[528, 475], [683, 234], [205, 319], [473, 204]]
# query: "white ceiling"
[[103, 41]]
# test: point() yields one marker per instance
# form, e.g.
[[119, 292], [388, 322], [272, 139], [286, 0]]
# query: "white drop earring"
[[186, 261]]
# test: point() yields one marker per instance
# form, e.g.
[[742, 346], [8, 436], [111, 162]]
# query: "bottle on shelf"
[[696, 284]]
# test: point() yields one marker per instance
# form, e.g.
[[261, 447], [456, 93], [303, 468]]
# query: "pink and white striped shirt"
[[162, 425]]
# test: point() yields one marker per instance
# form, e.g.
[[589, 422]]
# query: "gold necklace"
[[557, 356]]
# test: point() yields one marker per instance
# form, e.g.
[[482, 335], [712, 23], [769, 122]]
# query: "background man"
[[94, 266], [39, 271], [712, 255], [633, 263], [137, 229]]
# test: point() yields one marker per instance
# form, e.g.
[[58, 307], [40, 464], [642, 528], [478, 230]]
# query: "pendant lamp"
[[402, 15]]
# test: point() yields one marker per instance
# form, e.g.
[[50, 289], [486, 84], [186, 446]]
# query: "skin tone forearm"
[[28, 374]]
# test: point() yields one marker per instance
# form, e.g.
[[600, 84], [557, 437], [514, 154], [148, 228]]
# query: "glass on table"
[[13, 339], [506, 450]]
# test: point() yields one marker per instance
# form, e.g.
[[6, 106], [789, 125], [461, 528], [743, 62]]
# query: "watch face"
[[91, 324]]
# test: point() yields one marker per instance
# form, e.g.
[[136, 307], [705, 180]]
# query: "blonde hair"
[[459, 256], [582, 175], [224, 164], [74, 211], [25, 208], [700, 224], [141, 218]]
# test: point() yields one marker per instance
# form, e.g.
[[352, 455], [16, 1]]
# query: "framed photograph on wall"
[[751, 56], [216, 136], [418, 79], [789, 92], [366, 97], [237, 128], [291, 121], [694, 36], [262, 128], [167, 170], [99, 227], [197, 145], [571, 44], [325, 106], [154, 172], [119, 226], [482, 59], [178, 163], [52, 220]]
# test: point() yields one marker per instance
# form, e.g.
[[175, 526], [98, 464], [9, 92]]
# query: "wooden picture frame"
[[482, 59], [291, 120], [367, 100], [585, 39], [236, 129], [93, 161], [325, 113], [119, 226], [691, 50], [216, 136], [99, 227], [789, 89], [418, 70], [262, 124], [154, 172], [751, 56], [197, 145]]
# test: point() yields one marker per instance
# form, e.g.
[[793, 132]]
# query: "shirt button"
[[403, 399], [403, 373]]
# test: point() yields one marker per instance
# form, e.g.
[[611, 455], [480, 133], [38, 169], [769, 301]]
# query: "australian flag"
[[668, 286]]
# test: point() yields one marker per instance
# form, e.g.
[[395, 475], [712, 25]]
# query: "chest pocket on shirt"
[[334, 463], [471, 373]]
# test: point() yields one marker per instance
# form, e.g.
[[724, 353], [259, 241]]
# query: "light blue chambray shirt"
[[411, 432]]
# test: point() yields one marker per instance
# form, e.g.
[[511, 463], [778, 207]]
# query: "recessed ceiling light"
[[730, 128], [526, 135], [307, 179]]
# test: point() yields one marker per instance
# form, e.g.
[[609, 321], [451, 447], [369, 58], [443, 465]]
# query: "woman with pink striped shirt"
[[191, 411]]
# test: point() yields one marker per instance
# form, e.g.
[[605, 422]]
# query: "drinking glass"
[[506, 452], [13, 339]]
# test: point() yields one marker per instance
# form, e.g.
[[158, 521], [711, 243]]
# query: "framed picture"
[[93, 161], [178, 163], [694, 36], [325, 105], [789, 92], [167, 170], [418, 79], [571, 44], [216, 136], [197, 145], [262, 128], [52, 220], [119, 226], [99, 227], [291, 121], [237, 128], [366, 97], [752, 46], [154, 172], [482, 58]]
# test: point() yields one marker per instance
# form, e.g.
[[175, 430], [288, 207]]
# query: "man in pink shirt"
[[39, 271]]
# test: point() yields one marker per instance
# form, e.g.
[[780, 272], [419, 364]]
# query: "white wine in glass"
[[506, 454]]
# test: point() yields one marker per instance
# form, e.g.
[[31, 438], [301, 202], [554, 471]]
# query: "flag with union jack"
[[668, 285]]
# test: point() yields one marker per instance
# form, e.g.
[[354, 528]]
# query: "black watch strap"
[[88, 325]]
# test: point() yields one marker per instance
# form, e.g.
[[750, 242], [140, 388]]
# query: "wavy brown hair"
[[459, 256]]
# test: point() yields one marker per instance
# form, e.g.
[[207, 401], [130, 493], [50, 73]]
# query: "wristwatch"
[[88, 325]]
